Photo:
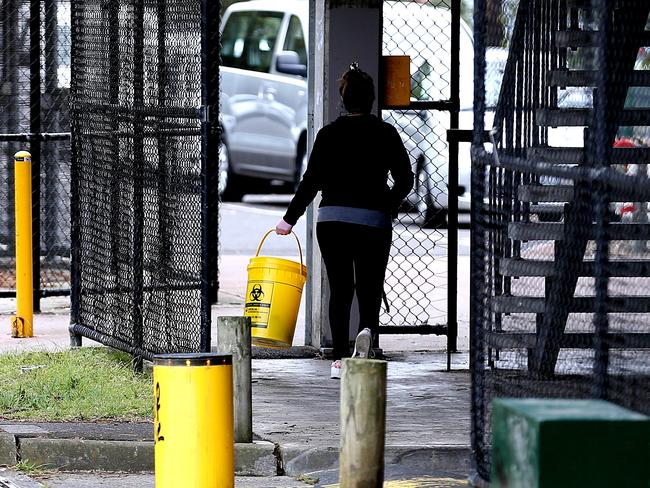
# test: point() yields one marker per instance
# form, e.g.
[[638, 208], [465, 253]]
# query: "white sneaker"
[[363, 344], [335, 370]]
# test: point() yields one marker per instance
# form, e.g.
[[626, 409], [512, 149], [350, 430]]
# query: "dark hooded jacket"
[[350, 163]]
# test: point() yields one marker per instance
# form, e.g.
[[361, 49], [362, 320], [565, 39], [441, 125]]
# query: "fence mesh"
[[417, 275], [140, 174], [43, 113], [560, 205]]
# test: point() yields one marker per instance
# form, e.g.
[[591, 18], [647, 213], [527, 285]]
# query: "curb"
[[260, 458], [87, 455], [256, 459], [297, 460], [432, 458], [8, 449]]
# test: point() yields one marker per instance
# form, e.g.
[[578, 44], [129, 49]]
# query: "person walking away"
[[350, 163]]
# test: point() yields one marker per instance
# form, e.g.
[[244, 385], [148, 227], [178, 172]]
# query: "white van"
[[264, 95]]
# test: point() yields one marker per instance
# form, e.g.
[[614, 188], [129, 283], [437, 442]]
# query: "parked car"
[[264, 94], [264, 97]]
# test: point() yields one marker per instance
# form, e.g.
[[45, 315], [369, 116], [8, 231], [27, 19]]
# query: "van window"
[[248, 40], [295, 40]]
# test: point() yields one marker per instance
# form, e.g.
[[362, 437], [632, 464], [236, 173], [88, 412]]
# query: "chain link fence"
[[560, 188], [145, 139], [34, 88], [420, 279]]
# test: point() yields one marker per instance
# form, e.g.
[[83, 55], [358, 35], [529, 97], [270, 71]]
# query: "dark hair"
[[357, 90]]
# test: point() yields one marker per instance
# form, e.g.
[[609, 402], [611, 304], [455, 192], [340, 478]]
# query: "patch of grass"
[[29, 468], [80, 384]]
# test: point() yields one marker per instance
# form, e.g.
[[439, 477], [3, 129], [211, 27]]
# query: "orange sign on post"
[[396, 90]]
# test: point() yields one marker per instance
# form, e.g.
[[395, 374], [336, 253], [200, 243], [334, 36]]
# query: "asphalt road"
[[243, 225]]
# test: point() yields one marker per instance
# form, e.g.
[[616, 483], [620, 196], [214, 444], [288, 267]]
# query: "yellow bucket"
[[273, 297]]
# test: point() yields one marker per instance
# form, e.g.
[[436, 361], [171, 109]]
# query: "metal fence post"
[[10, 113], [52, 159], [114, 91], [138, 194], [35, 144], [477, 239], [165, 247], [209, 164], [75, 218], [604, 132], [212, 61], [452, 199]]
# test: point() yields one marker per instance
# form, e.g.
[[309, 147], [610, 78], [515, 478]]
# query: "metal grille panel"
[[560, 196], [417, 275], [140, 146], [35, 52]]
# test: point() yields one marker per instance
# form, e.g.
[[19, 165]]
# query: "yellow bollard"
[[21, 323], [193, 421]]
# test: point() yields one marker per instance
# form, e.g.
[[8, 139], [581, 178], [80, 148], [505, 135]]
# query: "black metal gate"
[[421, 279], [34, 86], [560, 199], [144, 200]]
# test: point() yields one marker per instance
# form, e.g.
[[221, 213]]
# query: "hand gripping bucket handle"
[[275, 288], [259, 248]]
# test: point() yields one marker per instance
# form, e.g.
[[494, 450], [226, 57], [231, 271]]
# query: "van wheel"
[[230, 184]]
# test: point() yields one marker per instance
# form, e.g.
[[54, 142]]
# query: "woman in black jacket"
[[350, 163]]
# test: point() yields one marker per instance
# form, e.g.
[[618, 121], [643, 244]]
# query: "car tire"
[[434, 218], [301, 167], [230, 184]]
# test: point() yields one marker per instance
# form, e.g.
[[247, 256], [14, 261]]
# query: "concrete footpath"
[[296, 424], [51, 326], [296, 411]]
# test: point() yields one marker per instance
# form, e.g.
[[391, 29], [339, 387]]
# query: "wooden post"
[[363, 423], [234, 338]]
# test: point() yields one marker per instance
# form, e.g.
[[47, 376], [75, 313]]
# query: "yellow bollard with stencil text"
[[273, 297], [22, 322], [193, 421]]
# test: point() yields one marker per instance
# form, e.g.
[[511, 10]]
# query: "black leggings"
[[353, 254]]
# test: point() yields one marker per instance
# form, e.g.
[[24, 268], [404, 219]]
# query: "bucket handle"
[[259, 248]]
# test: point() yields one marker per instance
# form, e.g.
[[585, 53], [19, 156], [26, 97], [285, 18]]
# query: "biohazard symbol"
[[257, 295]]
